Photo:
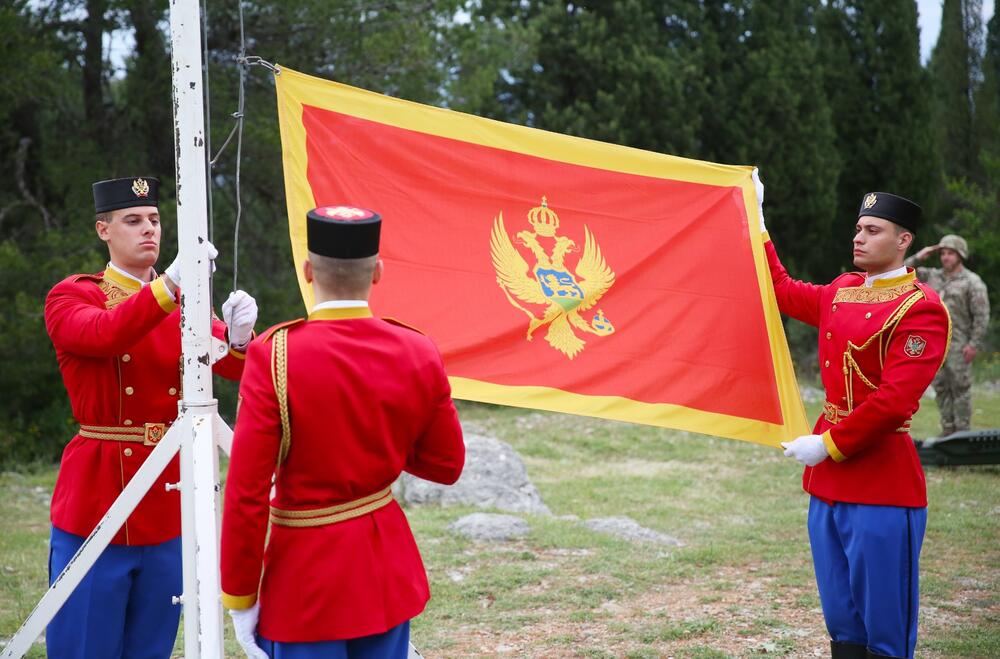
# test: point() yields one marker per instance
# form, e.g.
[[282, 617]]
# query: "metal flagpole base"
[[94, 545]]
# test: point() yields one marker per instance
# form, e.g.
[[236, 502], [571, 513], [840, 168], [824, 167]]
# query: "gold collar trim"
[[120, 280], [342, 313], [891, 282]]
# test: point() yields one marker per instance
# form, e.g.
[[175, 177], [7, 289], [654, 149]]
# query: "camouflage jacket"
[[964, 293]]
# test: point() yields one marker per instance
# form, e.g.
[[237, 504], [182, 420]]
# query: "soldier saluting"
[[882, 337], [335, 407], [964, 293]]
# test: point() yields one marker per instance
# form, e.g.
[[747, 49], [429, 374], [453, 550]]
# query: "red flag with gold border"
[[554, 272]]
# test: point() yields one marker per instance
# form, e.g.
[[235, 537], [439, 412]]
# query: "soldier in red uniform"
[[335, 407], [882, 337], [118, 342]]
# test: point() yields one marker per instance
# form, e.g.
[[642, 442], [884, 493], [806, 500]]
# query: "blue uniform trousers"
[[122, 609], [867, 561], [393, 644]]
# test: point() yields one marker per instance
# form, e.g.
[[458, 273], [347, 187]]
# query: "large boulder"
[[628, 529], [490, 527], [494, 477]]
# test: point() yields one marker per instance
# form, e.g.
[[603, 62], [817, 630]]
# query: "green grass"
[[741, 585]]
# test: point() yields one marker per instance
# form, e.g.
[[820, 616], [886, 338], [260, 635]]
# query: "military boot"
[[876, 655], [845, 650]]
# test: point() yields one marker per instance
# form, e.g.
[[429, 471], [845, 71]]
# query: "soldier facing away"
[[335, 406], [964, 294]]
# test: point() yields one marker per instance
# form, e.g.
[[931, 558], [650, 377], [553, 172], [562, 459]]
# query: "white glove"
[[245, 626], [807, 449], [239, 312], [173, 270], [760, 198]]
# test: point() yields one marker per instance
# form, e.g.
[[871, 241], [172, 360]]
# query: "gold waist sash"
[[835, 415], [148, 434], [332, 514]]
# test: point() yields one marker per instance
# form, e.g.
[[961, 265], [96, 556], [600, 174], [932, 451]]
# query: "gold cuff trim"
[[236, 353], [343, 313], [163, 296], [831, 447], [332, 514], [238, 601], [765, 237], [148, 434]]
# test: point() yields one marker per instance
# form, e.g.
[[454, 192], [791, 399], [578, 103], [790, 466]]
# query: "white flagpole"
[[199, 458], [198, 429]]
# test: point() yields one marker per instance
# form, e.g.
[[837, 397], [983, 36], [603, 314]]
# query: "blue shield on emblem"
[[560, 287]]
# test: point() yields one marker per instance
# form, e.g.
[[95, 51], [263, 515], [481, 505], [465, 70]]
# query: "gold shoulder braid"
[[851, 366], [279, 376]]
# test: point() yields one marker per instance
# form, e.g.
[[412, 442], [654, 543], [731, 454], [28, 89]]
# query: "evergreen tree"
[[621, 72], [955, 70], [720, 32], [881, 110], [782, 123], [987, 120]]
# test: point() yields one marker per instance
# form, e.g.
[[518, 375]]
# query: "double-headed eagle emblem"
[[140, 187], [564, 295]]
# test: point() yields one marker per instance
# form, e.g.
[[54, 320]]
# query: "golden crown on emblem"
[[870, 200], [543, 220]]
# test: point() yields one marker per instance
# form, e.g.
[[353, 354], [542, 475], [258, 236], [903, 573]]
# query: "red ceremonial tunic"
[[367, 400], [879, 349], [119, 348]]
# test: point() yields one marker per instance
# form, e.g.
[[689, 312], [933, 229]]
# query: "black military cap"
[[891, 207], [125, 193], [343, 232]]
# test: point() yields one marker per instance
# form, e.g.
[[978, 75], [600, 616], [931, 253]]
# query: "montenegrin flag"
[[554, 272]]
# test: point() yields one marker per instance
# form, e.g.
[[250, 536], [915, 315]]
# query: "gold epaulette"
[[95, 277], [266, 336], [399, 323]]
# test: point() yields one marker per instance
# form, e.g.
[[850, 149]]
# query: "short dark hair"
[[347, 277], [104, 217], [900, 229]]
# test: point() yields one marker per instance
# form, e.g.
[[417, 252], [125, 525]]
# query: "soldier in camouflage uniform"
[[964, 293]]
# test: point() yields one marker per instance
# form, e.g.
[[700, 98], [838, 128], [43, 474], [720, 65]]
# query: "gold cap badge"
[[870, 200], [140, 187]]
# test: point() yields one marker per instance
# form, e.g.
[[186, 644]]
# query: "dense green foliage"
[[829, 99]]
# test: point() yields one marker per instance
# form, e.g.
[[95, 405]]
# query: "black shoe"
[[845, 650], [876, 655]]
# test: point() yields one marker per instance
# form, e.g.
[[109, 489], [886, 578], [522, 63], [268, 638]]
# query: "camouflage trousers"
[[953, 386]]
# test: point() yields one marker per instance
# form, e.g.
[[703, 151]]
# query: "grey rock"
[[811, 394], [490, 527], [629, 529], [494, 477]]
